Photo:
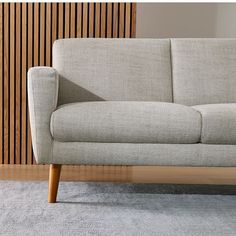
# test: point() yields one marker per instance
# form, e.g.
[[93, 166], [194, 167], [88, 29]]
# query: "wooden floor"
[[131, 174]]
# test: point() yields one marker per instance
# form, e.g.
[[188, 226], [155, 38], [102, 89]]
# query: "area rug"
[[117, 209]]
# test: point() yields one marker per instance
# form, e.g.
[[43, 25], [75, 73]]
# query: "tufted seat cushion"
[[126, 122], [218, 123]]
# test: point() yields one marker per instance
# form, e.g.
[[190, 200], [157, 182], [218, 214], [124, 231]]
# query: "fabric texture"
[[113, 69], [143, 154], [42, 97], [107, 209], [218, 123], [121, 89], [204, 71], [126, 122]]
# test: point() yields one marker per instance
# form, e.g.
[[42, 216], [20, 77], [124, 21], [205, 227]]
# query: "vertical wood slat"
[[97, 19], [36, 46], [121, 20], [91, 20], [36, 33], [133, 20], [6, 83], [72, 20], [115, 20], [12, 83], [79, 20], [23, 85], [48, 34], [42, 34], [1, 82], [27, 33], [85, 20], [30, 64], [67, 21], [109, 20], [54, 22], [18, 85], [127, 19], [103, 20], [61, 21]]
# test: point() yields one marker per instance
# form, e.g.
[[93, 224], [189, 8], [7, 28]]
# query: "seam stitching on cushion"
[[201, 130], [172, 74], [52, 124], [36, 146], [52, 159], [55, 104], [53, 136], [61, 140]]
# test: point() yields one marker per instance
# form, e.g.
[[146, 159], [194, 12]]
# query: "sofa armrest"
[[43, 86]]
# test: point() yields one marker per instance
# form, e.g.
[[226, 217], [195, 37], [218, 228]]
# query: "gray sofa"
[[165, 102]]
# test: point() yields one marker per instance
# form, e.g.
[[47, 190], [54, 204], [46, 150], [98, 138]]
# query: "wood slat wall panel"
[[27, 33]]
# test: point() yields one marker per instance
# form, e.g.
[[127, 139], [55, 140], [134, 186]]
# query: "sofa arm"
[[43, 85]]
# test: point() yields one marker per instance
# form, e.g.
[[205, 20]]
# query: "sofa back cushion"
[[113, 70], [204, 71]]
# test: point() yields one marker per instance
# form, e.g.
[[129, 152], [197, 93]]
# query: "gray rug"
[[117, 209]]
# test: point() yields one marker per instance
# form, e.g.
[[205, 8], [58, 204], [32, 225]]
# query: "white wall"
[[173, 20], [226, 20]]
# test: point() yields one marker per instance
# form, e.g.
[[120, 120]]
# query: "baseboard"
[[130, 174]]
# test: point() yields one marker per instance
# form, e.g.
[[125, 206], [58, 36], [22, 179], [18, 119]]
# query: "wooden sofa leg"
[[54, 177]]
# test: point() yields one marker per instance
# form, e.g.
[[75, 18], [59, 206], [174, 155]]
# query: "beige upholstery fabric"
[[126, 122], [42, 94], [218, 123], [113, 69], [121, 115], [204, 71], [144, 154]]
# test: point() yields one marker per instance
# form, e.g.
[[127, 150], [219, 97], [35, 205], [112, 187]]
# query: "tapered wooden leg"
[[54, 177]]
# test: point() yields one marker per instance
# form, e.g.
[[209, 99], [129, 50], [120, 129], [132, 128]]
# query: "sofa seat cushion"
[[126, 122], [218, 123]]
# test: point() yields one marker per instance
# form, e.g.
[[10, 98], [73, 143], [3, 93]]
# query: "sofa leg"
[[54, 177]]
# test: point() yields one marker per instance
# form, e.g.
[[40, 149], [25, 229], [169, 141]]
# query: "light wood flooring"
[[130, 174]]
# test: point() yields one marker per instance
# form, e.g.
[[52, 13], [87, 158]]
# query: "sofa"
[[134, 102]]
